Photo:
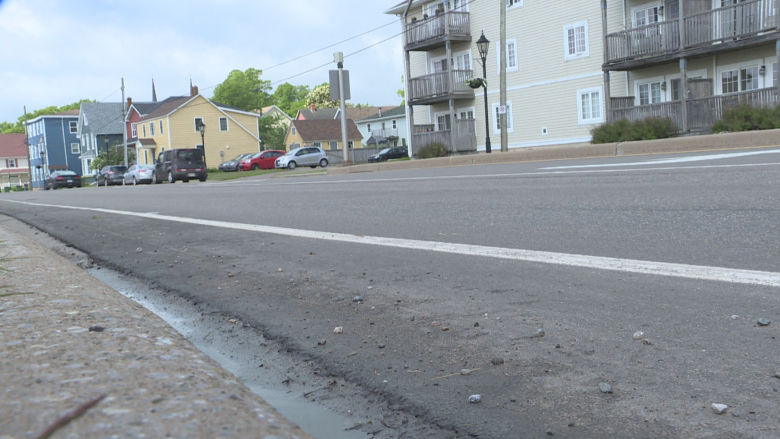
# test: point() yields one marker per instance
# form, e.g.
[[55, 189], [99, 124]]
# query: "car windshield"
[[256, 155], [384, 151], [190, 155], [119, 168], [150, 167], [239, 157]]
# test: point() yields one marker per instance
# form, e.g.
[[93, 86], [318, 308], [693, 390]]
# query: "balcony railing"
[[451, 24], [742, 20], [462, 137], [386, 133], [702, 112], [440, 86]]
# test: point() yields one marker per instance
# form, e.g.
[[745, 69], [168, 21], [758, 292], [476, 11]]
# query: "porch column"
[[452, 74], [681, 21], [684, 93], [777, 58], [607, 98]]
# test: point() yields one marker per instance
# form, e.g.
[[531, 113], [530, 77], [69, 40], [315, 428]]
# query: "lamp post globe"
[[483, 44], [202, 129]]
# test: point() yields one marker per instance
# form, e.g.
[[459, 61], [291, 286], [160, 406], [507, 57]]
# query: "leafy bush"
[[18, 188], [625, 131], [747, 118], [7, 189], [432, 150]]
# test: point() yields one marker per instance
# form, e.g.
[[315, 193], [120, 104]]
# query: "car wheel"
[[135, 181], [255, 167], [154, 178], [324, 163], [292, 165], [202, 180], [171, 180]]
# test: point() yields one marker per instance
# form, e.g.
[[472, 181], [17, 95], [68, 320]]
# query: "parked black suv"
[[180, 164]]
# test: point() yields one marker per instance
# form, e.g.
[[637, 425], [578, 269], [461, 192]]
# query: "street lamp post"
[[43, 165], [482, 45], [202, 129]]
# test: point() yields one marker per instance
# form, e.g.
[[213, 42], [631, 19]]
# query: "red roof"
[[13, 145]]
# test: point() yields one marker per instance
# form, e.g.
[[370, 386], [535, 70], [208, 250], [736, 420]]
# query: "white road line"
[[595, 262], [695, 158], [481, 176]]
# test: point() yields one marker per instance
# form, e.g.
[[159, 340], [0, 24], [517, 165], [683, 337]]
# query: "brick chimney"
[[194, 90], [129, 102], [312, 107]]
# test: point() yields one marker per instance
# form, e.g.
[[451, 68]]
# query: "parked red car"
[[261, 160]]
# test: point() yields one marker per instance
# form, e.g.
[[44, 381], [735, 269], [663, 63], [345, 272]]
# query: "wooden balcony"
[[702, 112], [432, 32], [440, 87], [462, 137], [729, 28], [387, 133]]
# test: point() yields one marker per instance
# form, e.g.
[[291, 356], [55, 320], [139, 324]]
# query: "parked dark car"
[[58, 179], [180, 164], [389, 153], [233, 165], [111, 175]]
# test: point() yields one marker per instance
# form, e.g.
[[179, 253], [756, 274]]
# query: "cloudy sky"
[[55, 52]]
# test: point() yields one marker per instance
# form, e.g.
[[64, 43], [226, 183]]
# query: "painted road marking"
[[595, 262], [479, 176], [696, 158]]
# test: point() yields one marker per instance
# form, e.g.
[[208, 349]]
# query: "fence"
[[742, 19], [462, 137], [358, 155]]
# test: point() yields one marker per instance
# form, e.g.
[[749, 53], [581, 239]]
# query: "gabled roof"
[[68, 113], [144, 107], [401, 7], [359, 113], [168, 106], [325, 130], [265, 111], [318, 114], [399, 111], [101, 118], [13, 145]]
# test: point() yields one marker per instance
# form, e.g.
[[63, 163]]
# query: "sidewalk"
[[749, 139], [67, 339]]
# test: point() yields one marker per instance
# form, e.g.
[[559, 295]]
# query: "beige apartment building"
[[561, 82]]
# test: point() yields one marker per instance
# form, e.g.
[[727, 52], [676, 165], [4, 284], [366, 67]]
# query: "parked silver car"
[[307, 156], [139, 174]]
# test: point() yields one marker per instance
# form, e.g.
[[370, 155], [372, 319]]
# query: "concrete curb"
[[767, 138], [68, 338]]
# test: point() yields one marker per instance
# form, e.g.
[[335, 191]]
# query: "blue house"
[[54, 145]]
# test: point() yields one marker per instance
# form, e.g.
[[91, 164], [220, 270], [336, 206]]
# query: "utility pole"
[[124, 122], [27, 142], [339, 58], [504, 54]]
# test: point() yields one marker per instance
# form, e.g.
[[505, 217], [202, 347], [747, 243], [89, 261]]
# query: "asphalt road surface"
[[461, 266]]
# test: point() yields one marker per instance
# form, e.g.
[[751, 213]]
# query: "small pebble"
[[736, 415], [340, 297], [475, 398], [476, 325], [435, 324], [338, 330], [538, 334], [381, 346], [321, 342], [734, 317], [497, 361], [512, 399], [549, 433], [719, 408], [465, 372], [605, 388], [638, 335], [357, 299], [763, 322], [96, 329]]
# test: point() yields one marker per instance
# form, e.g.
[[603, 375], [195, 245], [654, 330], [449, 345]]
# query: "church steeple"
[[154, 92]]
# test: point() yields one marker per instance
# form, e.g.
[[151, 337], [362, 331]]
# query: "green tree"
[[272, 132], [401, 93], [18, 127], [290, 98], [245, 90], [320, 97], [115, 158]]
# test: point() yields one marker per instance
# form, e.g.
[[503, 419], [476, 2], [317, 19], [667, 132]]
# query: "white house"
[[386, 126]]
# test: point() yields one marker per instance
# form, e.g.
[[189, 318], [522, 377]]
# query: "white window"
[[511, 60], [644, 15], [74, 127], [497, 119], [440, 65], [576, 40], [198, 121], [650, 93], [395, 125], [161, 127], [134, 128], [463, 61], [11, 163], [151, 128], [589, 104], [739, 79], [368, 127], [143, 128], [442, 121], [74, 148], [513, 4], [292, 129], [223, 124]]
